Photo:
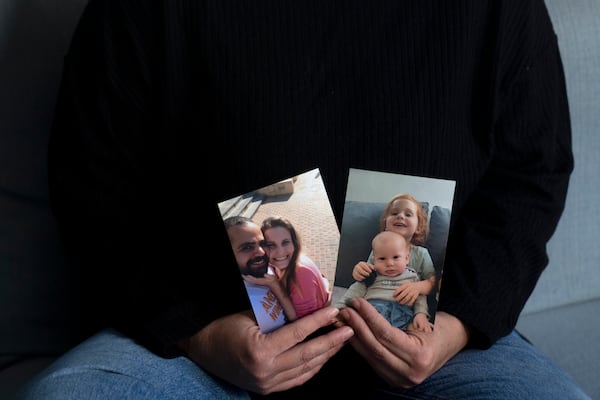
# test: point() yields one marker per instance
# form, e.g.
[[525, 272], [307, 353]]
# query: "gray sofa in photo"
[[36, 298]]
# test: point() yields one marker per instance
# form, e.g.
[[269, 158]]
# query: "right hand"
[[362, 270], [234, 349], [402, 359], [271, 281]]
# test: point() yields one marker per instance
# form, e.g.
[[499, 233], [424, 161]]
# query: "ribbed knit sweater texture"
[[168, 107]]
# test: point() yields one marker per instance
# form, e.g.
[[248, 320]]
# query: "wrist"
[[453, 329]]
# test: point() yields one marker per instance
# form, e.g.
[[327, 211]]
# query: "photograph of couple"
[[285, 241]]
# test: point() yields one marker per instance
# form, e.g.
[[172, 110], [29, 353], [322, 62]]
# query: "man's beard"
[[255, 270]]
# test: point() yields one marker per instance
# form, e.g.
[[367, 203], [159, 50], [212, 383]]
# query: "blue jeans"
[[511, 369], [398, 315], [111, 366]]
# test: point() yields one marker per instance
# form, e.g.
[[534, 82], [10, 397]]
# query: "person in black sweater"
[[167, 107]]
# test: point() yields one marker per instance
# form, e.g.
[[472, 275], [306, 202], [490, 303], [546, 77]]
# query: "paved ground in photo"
[[309, 210]]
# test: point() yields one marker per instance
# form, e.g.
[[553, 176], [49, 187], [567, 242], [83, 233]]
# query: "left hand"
[[402, 359]]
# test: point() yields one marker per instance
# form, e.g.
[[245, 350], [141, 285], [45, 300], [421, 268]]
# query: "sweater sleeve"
[[421, 305], [129, 227], [355, 290], [498, 249], [421, 262]]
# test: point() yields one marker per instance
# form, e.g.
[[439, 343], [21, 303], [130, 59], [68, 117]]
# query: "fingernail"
[[355, 304], [348, 332], [332, 312]]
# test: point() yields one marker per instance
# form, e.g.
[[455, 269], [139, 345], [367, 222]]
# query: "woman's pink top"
[[309, 293]]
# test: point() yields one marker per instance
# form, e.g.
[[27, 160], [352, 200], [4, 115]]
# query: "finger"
[[363, 341], [392, 339], [293, 333], [402, 298], [413, 299], [368, 325], [402, 291], [407, 297], [410, 300], [302, 361], [387, 364], [306, 359]]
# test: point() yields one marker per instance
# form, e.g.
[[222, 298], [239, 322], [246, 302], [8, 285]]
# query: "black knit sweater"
[[168, 107]]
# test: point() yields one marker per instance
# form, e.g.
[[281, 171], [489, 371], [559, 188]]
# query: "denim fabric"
[[511, 369], [398, 315], [110, 366]]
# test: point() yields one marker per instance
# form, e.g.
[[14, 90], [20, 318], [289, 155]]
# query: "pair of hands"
[[234, 349]]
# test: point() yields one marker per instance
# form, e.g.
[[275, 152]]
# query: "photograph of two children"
[[293, 259]]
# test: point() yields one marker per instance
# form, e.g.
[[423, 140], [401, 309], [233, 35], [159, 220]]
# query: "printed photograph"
[[285, 241], [392, 245]]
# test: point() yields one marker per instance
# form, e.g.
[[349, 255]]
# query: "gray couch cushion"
[[439, 224], [570, 335], [360, 223]]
